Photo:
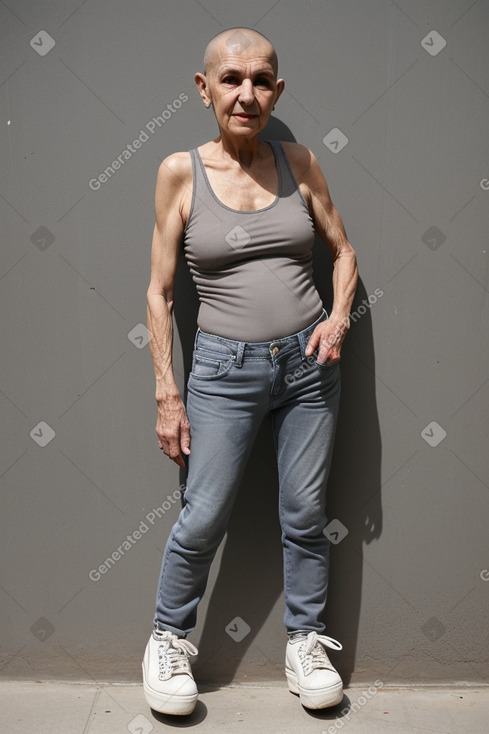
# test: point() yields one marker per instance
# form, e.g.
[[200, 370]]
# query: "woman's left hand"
[[328, 338]]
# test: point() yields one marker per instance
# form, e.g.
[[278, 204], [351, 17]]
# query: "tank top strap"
[[203, 196], [287, 183], [198, 172]]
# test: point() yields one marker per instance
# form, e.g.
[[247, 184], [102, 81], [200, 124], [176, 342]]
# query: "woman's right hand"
[[173, 428]]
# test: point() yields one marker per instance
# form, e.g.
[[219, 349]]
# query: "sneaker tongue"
[[311, 642], [320, 659], [315, 653]]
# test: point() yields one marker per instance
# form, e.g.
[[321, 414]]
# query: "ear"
[[280, 88], [202, 86]]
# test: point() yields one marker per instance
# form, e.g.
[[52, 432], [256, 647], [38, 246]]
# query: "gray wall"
[[80, 468]]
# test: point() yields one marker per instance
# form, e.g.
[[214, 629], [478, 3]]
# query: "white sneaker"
[[310, 673], [168, 683]]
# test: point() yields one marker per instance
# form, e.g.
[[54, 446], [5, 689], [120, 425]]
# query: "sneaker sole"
[[314, 699], [169, 704]]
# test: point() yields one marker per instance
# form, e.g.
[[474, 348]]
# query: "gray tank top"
[[252, 269]]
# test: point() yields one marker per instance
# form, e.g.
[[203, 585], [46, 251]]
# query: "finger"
[[169, 442], [326, 349], [179, 460], [331, 344], [329, 351], [162, 443], [312, 343], [185, 439], [333, 357], [164, 446]]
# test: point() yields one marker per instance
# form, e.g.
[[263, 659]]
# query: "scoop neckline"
[[245, 211]]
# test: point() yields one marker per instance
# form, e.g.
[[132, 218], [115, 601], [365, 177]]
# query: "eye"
[[262, 82], [229, 80]]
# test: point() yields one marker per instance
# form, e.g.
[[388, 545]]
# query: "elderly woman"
[[247, 211]]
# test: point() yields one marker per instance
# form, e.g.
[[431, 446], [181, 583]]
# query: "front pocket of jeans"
[[211, 368], [323, 366]]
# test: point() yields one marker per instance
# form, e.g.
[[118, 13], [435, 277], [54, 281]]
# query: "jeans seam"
[[285, 549], [162, 573]]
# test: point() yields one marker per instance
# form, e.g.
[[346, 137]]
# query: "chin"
[[253, 126]]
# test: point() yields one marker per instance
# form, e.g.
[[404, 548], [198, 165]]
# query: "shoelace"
[[312, 654], [172, 654]]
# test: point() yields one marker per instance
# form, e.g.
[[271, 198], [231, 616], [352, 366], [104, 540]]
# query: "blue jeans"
[[231, 388]]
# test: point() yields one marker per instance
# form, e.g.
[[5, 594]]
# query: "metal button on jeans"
[[274, 349]]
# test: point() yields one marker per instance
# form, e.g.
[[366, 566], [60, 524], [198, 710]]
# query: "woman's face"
[[242, 89]]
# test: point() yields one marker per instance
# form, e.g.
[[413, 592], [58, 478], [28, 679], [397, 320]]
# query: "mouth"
[[244, 116]]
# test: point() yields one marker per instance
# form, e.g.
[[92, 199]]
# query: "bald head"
[[236, 41]]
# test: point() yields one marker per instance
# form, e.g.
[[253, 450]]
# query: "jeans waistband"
[[257, 350]]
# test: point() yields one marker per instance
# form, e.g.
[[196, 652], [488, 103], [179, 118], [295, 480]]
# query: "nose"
[[246, 95]]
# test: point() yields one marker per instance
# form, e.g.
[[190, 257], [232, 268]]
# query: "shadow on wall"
[[249, 583]]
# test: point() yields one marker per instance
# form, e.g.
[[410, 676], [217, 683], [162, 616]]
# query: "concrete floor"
[[67, 708]]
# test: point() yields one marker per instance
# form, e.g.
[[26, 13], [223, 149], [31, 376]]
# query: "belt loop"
[[303, 342], [240, 353]]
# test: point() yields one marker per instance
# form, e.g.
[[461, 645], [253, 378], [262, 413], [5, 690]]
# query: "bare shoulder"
[[175, 168], [306, 169], [300, 158], [174, 183]]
